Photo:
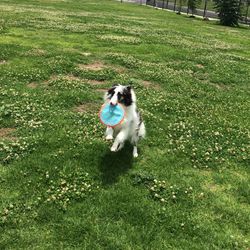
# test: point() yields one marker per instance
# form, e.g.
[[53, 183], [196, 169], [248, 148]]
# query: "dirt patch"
[[200, 66], [101, 90], [87, 107], [212, 187], [219, 86], [75, 78], [215, 187], [52, 78], [5, 133], [149, 84], [32, 85], [35, 52], [96, 66], [95, 82], [216, 85], [72, 78], [119, 69], [3, 62], [146, 83]]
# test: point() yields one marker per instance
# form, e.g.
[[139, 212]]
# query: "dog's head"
[[120, 94]]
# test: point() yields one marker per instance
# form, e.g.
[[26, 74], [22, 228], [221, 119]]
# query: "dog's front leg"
[[119, 141], [109, 133]]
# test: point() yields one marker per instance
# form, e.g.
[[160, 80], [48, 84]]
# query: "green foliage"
[[229, 11], [193, 4]]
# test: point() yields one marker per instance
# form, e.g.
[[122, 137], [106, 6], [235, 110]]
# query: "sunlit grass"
[[61, 187]]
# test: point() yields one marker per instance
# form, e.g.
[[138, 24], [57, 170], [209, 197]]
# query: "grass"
[[60, 185]]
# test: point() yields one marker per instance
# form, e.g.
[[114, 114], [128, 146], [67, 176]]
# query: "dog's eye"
[[120, 97]]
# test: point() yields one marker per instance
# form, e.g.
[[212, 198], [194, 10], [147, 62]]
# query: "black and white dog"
[[132, 128]]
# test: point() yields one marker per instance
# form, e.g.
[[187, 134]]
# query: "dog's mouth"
[[119, 100]]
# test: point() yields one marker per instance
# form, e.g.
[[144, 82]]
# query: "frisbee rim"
[[111, 126]]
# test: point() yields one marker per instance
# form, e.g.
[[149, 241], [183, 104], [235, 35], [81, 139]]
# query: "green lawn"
[[62, 188]]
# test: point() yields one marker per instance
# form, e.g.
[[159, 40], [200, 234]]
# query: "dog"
[[132, 128]]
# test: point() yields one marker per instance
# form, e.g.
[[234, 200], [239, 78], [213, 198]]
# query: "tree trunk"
[[205, 9], [247, 11], [174, 4], [180, 6]]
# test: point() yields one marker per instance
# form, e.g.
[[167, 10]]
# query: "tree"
[[205, 9], [192, 5], [247, 7], [229, 11], [180, 6]]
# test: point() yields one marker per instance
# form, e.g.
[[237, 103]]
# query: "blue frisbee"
[[110, 115]]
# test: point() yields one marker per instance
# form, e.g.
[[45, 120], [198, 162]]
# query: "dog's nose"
[[113, 104]]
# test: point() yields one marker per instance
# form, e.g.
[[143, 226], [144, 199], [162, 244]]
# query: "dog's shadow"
[[112, 165]]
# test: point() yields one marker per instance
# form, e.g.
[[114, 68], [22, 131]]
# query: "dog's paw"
[[109, 137], [116, 147], [135, 155], [113, 149]]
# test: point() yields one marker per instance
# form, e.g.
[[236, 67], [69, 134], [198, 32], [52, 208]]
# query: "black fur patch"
[[126, 96], [111, 92], [140, 119]]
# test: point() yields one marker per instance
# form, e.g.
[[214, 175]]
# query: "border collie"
[[132, 128]]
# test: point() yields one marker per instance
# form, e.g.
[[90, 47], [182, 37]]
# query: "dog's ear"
[[127, 96], [111, 90], [129, 88]]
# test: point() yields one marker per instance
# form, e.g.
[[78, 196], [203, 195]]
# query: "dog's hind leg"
[[140, 132], [109, 133], [134, 142], [135, 153]]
